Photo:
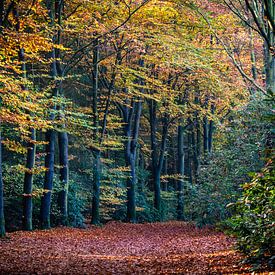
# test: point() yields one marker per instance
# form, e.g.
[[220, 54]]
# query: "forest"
[[129, 129]]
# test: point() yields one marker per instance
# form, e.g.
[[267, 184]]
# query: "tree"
[[50, 134]]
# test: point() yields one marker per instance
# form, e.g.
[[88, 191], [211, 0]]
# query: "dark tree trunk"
[[157, 159], [2, 13], [2, 218], [189, 157], [97, 154], [154, 155], [211, 130], [157, 190], [64, 176], [180, 206], [198, 139], [30, 162], [165, 171], [205, 135], [96, 188], [141, 164], [63, 139], [131, 193], [48, 182], [132, 132], [28, 182], [50, 136], [195, 159]]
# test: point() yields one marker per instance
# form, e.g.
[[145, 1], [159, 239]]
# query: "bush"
[[77, 201], [254, 223]]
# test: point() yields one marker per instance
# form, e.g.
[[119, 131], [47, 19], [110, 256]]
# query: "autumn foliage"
[[119, 248], [134, 111]]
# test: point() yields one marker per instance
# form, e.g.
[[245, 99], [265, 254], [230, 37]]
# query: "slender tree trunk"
[[45, 209], [63, 139], [2, 13], [28, 183], [211, 130], [195, 159], [132, 133], [189, 156], [180, 206], [2, 218], [270, 56], [253, 55], [157, 189], [64, 176], [131, 194], [141, 164], [96, 188], [48, 182], [157, 159], [165, 171], [132, 119], [30, 162], [97, 154], [154, 156], [205, 135]]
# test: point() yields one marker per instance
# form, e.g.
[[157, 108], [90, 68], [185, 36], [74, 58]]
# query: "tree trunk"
[[28, 179], [2, 218], [270, 56], [211, 130], [157, 158], [180, 206], [97, 154], [154, 156], [63, 139], [188, 164], [195, 159], [48, 182], [64, 176], [50, 135], [132, 133], [131, 194], [28, 182], [96, 189], [157, 189], [205, 135], [165, 171]]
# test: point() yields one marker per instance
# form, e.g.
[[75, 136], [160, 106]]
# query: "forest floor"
[[119, 248]]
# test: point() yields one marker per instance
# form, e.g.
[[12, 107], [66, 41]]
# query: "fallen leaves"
[[119, 248]]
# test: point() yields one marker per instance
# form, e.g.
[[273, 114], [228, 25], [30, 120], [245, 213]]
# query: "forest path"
[[119, 248]]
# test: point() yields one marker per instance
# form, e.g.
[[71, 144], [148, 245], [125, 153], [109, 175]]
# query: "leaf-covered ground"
[[119, 248]]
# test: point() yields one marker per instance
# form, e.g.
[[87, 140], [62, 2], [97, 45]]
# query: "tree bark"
[[157, 158], [28, 183], [63, 138], [180, 206], [132, 132], [2, 218], [205, 135], [211, 130], [188, 163], [30, 162], [64, 176], [48, 182], [50, 138], [97, 154]]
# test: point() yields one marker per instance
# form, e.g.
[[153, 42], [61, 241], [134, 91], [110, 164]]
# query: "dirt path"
[[118, 248]]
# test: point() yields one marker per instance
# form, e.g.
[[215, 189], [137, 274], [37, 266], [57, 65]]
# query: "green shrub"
[[254, 223]]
